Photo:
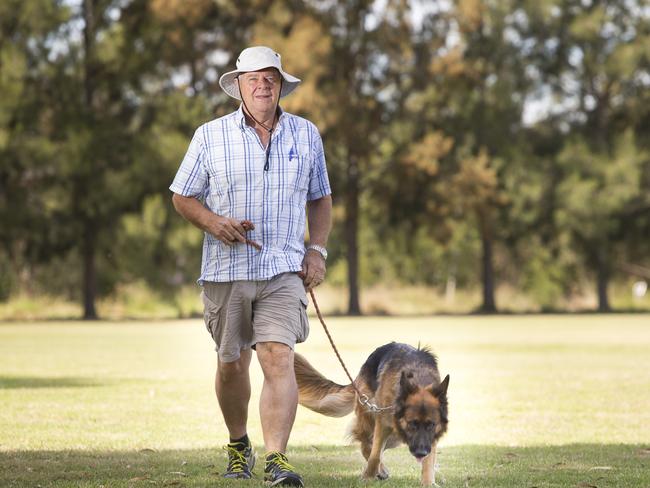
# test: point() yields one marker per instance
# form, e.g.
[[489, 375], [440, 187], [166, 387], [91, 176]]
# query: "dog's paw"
[[383, 473], [369, 476]]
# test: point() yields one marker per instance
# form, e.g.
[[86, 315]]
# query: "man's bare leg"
[[279, 399], [233, 388]]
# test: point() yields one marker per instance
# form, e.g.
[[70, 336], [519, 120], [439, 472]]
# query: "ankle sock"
[[244, 440]]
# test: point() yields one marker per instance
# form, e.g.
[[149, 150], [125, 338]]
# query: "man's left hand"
[[313, 269]]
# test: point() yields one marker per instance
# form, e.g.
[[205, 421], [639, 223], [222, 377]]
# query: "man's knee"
[[232, 371], [275, 358]]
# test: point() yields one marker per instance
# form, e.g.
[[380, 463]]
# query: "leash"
[[361, 397]]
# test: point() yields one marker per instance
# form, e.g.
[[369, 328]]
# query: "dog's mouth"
[[420, 455]]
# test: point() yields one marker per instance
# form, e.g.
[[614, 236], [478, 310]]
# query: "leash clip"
[[365, 401]]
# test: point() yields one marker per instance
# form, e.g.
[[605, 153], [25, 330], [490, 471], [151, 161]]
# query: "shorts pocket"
[[303, 321], [211, 316]]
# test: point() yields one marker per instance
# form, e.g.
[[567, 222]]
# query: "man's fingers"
[[227, 236], [237, 231], [313, 273], [311, 280]]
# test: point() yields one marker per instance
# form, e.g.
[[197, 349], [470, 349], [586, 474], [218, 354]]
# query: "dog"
[[403, 383]]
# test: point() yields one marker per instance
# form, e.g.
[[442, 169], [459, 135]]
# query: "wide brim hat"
[[254, 59]]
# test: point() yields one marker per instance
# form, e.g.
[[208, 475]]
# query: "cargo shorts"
[[240, 314]]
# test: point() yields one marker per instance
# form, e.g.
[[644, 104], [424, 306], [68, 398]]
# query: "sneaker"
[[278, 471], [241, 460]]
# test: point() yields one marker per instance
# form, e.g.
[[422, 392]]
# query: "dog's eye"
[[413, 424]]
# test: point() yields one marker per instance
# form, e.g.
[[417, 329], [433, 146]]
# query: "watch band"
[[319, 249]]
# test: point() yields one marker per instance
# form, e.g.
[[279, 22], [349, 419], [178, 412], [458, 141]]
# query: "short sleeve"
[[191, 180], [319, 185]]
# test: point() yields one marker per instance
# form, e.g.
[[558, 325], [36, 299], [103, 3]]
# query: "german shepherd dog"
[[404, 383]]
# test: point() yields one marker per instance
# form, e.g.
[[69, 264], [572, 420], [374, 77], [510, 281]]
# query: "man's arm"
[[319, 213], [226, 230]]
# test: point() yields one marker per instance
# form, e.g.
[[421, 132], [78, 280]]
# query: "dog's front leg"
[[428, 468], [379, 438]]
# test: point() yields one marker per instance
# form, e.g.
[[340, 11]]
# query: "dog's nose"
[[421, 451]]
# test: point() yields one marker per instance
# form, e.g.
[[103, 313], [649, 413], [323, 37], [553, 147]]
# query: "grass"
[[546, 401], [136, 301]]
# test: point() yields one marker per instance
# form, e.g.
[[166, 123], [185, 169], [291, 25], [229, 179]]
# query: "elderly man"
[[250, 175]]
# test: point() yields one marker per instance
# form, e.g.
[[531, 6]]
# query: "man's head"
[[260, 90], [258, 68]]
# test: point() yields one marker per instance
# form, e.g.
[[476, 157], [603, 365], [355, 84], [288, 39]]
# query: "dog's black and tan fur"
[[397, 376]]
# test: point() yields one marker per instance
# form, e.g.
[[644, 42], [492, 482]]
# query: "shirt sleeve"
[[319, 184], [191, 180]]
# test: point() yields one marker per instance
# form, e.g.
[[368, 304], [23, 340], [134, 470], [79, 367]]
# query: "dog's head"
[[421, 414]]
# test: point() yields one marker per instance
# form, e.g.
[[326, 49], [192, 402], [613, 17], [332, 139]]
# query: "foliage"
[[473, 143]]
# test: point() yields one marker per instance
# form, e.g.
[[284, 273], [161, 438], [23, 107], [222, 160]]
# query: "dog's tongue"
[[419, 459]]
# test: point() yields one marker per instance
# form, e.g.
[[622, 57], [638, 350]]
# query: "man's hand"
[[313, 269], [229, 231]]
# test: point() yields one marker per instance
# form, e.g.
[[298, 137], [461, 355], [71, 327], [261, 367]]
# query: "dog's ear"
[[440, 390], [407, 383]]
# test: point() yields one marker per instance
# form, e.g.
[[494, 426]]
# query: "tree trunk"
[[351, 235], [89, 230], [89, 273], [603, 282], [489, 305]]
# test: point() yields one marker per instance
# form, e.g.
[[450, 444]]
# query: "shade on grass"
[[534, 401]]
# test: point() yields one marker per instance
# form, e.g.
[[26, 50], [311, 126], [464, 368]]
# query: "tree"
[[594, 60], [355, 52], [25, 152]]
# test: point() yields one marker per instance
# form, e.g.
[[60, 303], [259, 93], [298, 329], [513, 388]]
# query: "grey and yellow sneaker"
[[278, 471], [241, 460]]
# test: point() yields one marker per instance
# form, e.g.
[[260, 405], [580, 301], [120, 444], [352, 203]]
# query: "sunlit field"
[[546, 401]]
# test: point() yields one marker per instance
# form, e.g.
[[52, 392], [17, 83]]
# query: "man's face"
[[260, 90]]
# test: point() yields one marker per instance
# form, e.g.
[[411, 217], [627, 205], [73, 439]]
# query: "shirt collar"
[[240, 120]]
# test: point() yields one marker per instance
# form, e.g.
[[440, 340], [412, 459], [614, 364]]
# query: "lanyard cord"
[[267, 151]]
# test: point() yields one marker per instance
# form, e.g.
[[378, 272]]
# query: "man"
[[256, 169]]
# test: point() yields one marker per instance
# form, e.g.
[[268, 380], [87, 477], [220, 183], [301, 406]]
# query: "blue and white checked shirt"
[[224, 167]]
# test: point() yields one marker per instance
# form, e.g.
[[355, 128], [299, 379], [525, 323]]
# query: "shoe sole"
[[286, 482]]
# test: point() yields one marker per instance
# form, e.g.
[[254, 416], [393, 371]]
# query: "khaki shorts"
[[240, 314]]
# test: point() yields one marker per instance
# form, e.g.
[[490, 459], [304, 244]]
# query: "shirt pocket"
[[298, 170]]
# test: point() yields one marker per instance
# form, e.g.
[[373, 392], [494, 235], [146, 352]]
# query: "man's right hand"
[[227, 230]]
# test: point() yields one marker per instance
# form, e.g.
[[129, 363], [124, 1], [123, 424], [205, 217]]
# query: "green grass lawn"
[[535, 401]]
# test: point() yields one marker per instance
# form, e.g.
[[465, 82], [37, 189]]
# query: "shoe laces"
[[236, 458], [279, 461]]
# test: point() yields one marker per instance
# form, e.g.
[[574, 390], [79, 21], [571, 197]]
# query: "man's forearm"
[[193, 211], [319, 213]]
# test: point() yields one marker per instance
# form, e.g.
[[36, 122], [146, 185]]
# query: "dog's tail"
[[319, 394]]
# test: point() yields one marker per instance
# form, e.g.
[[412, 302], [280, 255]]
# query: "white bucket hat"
[[254, 59]]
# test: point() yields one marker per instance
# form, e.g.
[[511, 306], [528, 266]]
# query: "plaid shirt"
[[224, 167]]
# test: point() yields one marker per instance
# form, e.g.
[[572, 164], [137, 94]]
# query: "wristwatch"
[[319, 249]]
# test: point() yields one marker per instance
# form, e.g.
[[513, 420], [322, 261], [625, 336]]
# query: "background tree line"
[[470, 143]]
